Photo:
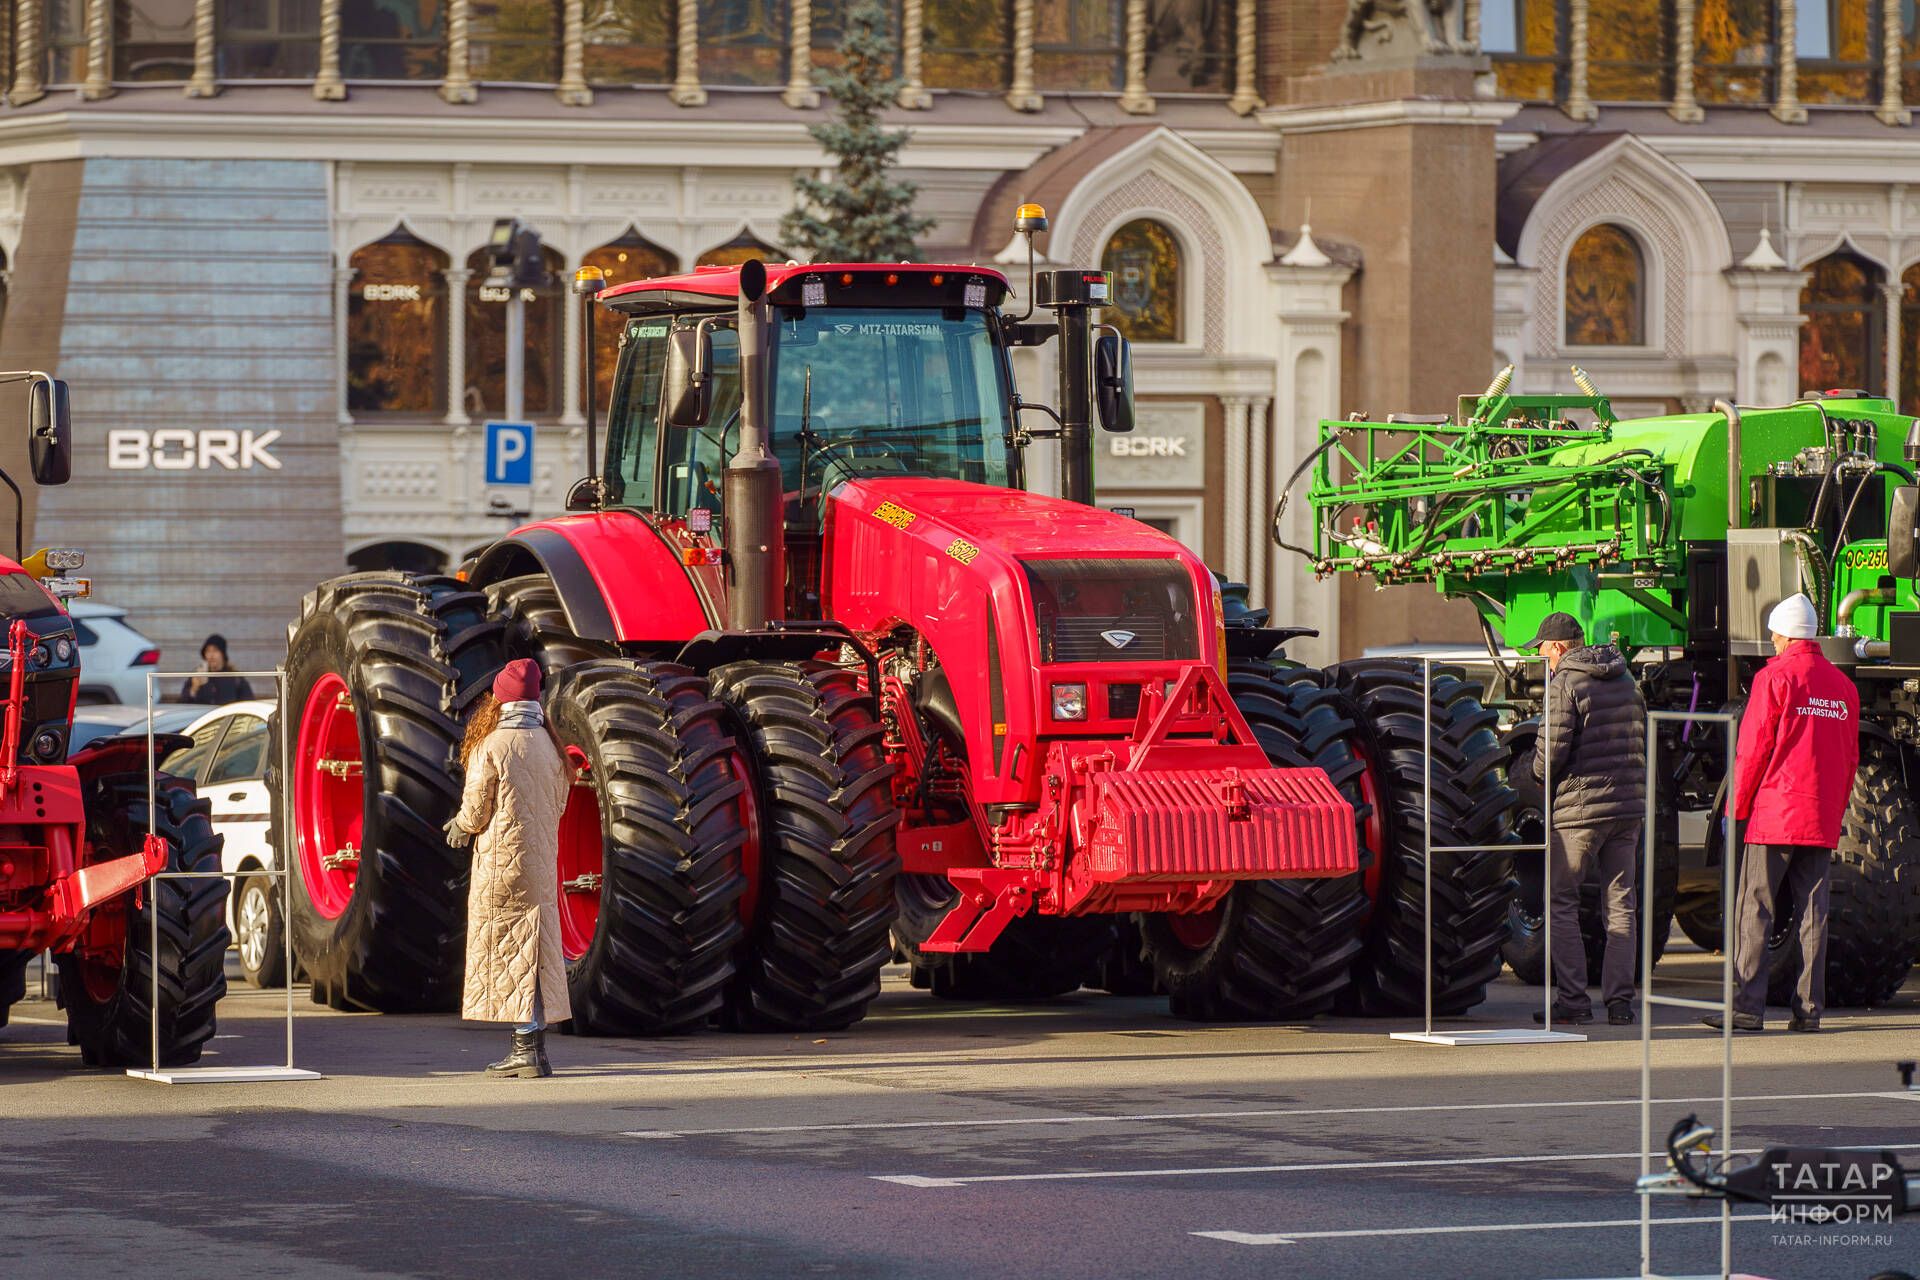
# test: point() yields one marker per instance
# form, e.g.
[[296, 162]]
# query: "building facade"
[[251, 233]]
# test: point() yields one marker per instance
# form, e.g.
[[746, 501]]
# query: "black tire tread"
[[826, 906]]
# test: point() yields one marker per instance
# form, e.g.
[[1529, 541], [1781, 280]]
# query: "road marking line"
[[1455, 1162], [1259, 1114], [1487, 1228]]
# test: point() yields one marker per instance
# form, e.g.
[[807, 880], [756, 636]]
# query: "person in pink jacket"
[[1793, 773]]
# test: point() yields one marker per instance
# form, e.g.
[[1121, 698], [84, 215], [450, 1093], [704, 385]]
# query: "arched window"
[[268, 39], [1840, 344], [968, 45], [486, 390], [1144, 258], [514, 41], [744, 41], [153, 40], [1735, 57], [1079, 46], [631, 257], [393, 39], [1190, 47], [1837, 43], [630, 41], [396, 327], [738, 250], [1606, 288]]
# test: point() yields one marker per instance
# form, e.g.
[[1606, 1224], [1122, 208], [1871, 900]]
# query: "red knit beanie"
[[518, 681]]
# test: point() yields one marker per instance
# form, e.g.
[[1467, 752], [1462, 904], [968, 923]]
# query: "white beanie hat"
[[1794, 618]]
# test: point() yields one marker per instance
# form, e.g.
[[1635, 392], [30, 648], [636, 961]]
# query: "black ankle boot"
[[540, 1053], [523, 1061]]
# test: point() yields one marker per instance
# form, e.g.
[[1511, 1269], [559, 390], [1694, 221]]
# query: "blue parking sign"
[[510, 453]]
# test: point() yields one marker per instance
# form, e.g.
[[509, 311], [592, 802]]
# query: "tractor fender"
[[617, 577]]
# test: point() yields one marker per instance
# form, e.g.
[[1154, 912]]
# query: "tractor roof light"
[[589, 280], [1029, 219]]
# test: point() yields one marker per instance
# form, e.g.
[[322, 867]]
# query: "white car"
[[227, 763], [114, 658]]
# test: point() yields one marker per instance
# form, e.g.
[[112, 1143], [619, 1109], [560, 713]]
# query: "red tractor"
[[75, 855], [836, 686]]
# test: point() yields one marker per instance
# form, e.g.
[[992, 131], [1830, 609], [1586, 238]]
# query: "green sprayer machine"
[[1672, 537]]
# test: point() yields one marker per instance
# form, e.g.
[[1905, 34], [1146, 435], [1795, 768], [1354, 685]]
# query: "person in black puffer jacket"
[[1597, 759]]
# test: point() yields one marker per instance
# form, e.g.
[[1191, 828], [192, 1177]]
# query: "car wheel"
[[260, 933]]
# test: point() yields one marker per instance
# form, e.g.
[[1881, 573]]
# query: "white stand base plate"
[[1462, 1039], [222, 1075]]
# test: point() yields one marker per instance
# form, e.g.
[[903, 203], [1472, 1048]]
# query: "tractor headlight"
[[39, 658], [48, 745], [63, 649], [1069, 701]]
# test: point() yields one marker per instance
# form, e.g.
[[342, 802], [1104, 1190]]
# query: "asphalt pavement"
[[1094, 1137]]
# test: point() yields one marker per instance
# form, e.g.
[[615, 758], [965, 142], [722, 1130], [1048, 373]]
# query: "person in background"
[[1599, 756], [1793, 774], [208, 686], [516, 790]]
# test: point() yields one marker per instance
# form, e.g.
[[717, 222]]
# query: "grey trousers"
[[1803, 869], [1615, 846]]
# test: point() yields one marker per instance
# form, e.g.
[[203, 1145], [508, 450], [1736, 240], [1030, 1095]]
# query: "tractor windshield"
[[855, 392]]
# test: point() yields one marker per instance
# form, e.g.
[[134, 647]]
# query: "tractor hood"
[[1016, 592]]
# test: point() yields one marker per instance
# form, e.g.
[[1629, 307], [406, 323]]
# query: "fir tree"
[[860, 214]]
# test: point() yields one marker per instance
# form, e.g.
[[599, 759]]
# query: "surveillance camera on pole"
[[518, 266]]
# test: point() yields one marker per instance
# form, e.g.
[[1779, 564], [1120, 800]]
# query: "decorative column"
[[1470, 24], [327, 84], [1890, 294], [1786, 97], [457, 278], [1246, 58], [1021, 95], [27, 86], [800, 93], [573, 90], [1893, 108], [572, 356], [1235, 408], [913, 40], [686, 91], [342, 303], [458, 86], [1134, 98], [99, 81], [1685, 108], [203, 84], [1578, 106], [1260, 546]]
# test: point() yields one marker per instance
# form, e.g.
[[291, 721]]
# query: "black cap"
[[214, 641], [1557, 626]]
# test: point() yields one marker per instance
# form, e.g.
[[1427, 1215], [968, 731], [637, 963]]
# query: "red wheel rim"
[[1196, 931], [750, 850], [329, 798], [1374, 829], [102, 951], [582, 859]]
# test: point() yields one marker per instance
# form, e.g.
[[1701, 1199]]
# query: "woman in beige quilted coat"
[[515, 793]]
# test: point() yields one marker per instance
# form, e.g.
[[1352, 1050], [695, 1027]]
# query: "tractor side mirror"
[[1113, 382], [1903, 533], [686, 389], [49, 431]]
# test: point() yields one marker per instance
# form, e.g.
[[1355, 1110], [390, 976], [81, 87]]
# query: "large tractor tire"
[[1034, 958], [1274, 949], [13, 981], [108, 995], [659, 835], [821, 911], [1473, 805], [381, 671], [1525, 950], [537, 626]]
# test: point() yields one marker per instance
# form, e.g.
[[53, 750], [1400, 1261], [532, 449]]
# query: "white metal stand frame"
[[1649, 1001], [282, 871], [1544, 1034]]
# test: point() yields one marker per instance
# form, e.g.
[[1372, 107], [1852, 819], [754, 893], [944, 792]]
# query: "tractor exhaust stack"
[[755, 534]]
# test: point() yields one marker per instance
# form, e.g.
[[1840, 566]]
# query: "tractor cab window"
[[695, 457], [885, 392]]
